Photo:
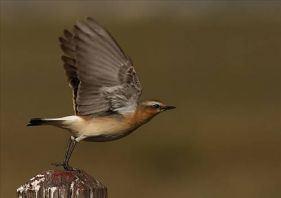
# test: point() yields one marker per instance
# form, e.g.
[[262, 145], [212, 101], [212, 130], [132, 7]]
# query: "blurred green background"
[[217, 61]]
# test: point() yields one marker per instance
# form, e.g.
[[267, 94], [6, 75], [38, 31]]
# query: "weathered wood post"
[[62, 184]]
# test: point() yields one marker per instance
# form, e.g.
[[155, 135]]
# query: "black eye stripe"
[[156, 106]]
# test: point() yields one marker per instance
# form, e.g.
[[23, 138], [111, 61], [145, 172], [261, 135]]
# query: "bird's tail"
[[43, 121]]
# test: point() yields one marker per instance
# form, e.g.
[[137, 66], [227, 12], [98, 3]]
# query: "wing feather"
[[101, 75]]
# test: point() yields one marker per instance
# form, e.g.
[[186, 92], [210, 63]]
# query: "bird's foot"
[[65, 166]]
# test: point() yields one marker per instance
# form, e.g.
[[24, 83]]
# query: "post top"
[[62, 183]]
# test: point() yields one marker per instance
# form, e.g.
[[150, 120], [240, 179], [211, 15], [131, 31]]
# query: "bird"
[[105, 87]]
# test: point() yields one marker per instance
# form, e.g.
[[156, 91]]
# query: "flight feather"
[[101, 75]]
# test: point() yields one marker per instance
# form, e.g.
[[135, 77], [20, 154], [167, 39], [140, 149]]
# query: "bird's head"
[[149, 108], [155, 106]]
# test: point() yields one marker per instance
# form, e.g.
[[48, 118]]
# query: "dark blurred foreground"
[[219, 63]]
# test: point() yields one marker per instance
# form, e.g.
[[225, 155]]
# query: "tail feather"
[[42, 121], [36, 122], [51, 121]]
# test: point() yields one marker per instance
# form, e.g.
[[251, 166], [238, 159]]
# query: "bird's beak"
[[168, 108]]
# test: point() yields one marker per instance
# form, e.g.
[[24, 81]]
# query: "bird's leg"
[[71, 145], [68, 153]]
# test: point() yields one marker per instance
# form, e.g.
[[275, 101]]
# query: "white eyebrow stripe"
[[150, 103]]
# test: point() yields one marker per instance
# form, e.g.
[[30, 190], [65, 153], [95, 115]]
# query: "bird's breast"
[[105, 126]]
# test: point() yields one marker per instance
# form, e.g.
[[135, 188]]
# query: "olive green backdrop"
[[218, 62]]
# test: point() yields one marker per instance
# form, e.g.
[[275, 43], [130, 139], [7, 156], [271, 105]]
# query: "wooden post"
[[62, 184]]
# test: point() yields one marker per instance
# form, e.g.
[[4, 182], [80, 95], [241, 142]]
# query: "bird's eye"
[[156, 106]]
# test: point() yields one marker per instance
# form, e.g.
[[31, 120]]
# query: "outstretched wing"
[[101, 75]]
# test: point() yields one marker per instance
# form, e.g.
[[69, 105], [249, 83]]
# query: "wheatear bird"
[[106, 89]]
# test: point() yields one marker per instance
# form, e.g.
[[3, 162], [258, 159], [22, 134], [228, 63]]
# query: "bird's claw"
[[64, 165]]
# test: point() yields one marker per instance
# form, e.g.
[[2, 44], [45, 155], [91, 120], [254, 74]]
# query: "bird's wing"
[[101, 75]]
